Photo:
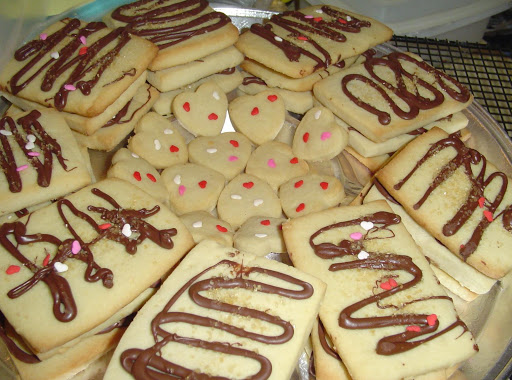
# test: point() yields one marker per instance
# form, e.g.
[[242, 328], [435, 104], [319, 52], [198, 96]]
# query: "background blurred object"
[[499, 31]]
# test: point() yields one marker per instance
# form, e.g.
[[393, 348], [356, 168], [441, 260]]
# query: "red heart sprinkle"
[[413, 328], [294, 160], [104, 226], [462, 246], [151, 177], [265, 222], [221, 229], [302, 38], [12, 269], [137, 176], [234, 143], [212, 116], [272, 98], [342, 21], [46, 260], [186, 106], [298, 184], [202, 184], [300, 207], [317, 19], [324, 185], [481, 202], [431, 319], [174, 149], [248, 185], [281, 226], [305, 137], [392, 282], [488, 215], [389, 284], [255, 111], [83, 50]]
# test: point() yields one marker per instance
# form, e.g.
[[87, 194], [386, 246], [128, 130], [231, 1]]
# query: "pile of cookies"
[[178, 200]]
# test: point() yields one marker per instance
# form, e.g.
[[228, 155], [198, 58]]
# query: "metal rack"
[[487, 72]]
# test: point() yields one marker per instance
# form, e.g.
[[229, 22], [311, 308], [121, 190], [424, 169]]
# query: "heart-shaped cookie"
[[202, 112], [318, 137], [259, 117], [226, 153], [158, 141], [260, 235]]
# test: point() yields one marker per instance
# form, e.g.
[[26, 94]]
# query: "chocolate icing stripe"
[[6, 333], [142, 364], [322, 337], [118, 118]]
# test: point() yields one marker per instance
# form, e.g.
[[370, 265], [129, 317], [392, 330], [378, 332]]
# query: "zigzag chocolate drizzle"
[[149, 364], [393, 344], [64, 307]]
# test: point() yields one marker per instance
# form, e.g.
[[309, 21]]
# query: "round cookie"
[[202, 112], [275, 163], [158, 141], [192, 187], [260, 236], [226, 153], [259, 117], [245, 196], [310, 193], [318, 137], [202, 225], [134, 169]]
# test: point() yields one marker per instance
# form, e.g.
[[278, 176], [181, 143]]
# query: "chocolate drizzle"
[[148, 363], [394, 344], [47, 145], [13, 235], [414, 101], [150, 13], [465, 158], [119, 118]]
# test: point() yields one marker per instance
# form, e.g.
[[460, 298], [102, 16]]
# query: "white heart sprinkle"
[[30, 145], [363, 255], [135, 155], [319, 11], [211, 150], [236, 196], [317, 114], [177, 179], [168, 131], [197, 224], [258, 202], [31, 138], [216, 95], [6, 133], [54, 55], [127, 230], [349, 18], [260, 235], [367, 225], [278, 39], [60, 267], [158, 146]]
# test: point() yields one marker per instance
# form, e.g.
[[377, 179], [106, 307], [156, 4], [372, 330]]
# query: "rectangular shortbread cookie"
[[388, 96], [77, 67], [184, 31], [40, 160], [225, 313], [381, 293], [298, 43], [72, 265], [459, 197]]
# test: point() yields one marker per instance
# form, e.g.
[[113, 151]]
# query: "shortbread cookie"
[[158, 141], [77, 67], [246, 196], [275, 163], [318, 137], [222, 313], [178, 76], [137, 171], [13, 216], [299, 43], [192, 187], [85, 249], [204, 226], [381, 293], [310, 193], [260, 236], [436, 174], [260, 117], [183, 31], [413, 95], [40, 160], [113, 133], [226, 153], [227, 80], [203, 111]]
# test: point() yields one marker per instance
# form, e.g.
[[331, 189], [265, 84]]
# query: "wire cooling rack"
[[487, 72]]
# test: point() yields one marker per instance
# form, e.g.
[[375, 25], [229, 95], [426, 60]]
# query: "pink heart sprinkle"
[[43, 36], [233, 158], [75, 247], [33, 154], [22, 167], [69, 87], [326, 135], [83, 40], [271, 163], [308, 16], [356, 235], [182, 189]]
